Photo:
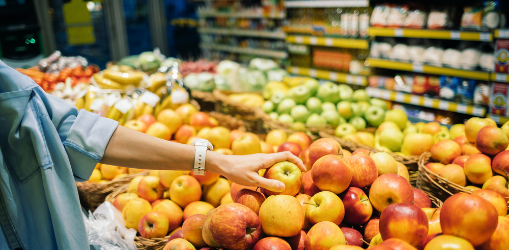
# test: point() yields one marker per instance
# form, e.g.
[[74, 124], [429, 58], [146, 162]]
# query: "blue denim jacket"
[[45, 146]]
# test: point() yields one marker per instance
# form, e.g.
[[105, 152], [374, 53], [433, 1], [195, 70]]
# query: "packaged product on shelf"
[[364, 22], [354, 23], [438, 19], [345, 18], [486, 62], [433, 56], [415, 19], [404, 83], [400, 53], [501, 55], [380, 15], [382, 82], [481, 94], [380, 50], [499, 99], [470, 58], [466, 91], [472, 18], [426, 85], [416, 54], [397, 16], [448, 87], [492, 17], [452, 58]]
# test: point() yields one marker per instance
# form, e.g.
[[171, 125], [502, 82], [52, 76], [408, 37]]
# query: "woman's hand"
[[243, 169]]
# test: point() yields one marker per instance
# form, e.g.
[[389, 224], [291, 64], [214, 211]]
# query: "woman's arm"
[[133, 149]]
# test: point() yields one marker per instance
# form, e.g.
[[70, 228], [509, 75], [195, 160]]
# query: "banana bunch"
[[142, 108], [122, 111], [157, 80], [85, 101], [294, 81], [118, 77], [166, 102], [248, 99]]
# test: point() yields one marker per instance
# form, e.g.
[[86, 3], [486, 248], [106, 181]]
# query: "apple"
[[172, 211], [166, 177], [322, 147], [457, 130], [362, 151], [304, 156], [379, 103], [386, 125], [498, 184], [345, 92], [385, 163], [453, 173], [388, 189], [345, 129], [352, 137], [360, 95], [133, 185], [199, 120], [297, 242], [440, 136], [265, 147], [499, 239], [328, 92], [331, 117], [150, 189], [344, 108], [281, 215], [328, 106], [136, 125], [278, 97], [417, 144], [176, 234], [314, 105], [371, 229], [410, 129], [285, 106], [421, 199], [273, 243], [304, 199], [185, 111], [214, 192], [397, 116], [148, 119], [109, 172], [461, 140], [192, 230], [286, 172], [227, 198], [325, 206], [219, 137], [491, 140], [431, 128], [206, 233], [180, 244], [460, 160], [207, 179], [247, 144], [470, 217], [469, 149], [268, 107], [478, 168], [122, 199], [358, 209], [345, 247], [298, 126], [300, 138], [391, 138], [292, 147], [472, 188], [403, 171], [406, 222], [309, 186], [474, 125], [184, 190], [367, 138], [345, 153], [251, 199], [300, 113], [276, 137], [504, 127], [445, 242], [363, 168], [323, 236], [352, 236], [213, 122], [159, 130], [184, 132], [134, 211], [235, 134], [357, 109], [374, 116], [395, 244], [234, 188], [331, 173], [299, 94], [286, 119], [445, 151], [495, 199], [153, 225], [358, 122], [500, 163], [433, 215], [196, 207]]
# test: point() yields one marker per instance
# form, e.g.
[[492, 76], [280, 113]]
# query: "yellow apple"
[[474, 124], [150, 189], [184, 190], [417, 144], [170, 118], [166, 177], [159, 130], [109, 171], [172, 211], [227, 198], [136, 125], [134, 211], [247, 144], [385, 163], [457, 130], [133, 185], [202, 133], [219, 137], [185, 111], [122, 199], [276, 137], [95, 176], [214, 192]]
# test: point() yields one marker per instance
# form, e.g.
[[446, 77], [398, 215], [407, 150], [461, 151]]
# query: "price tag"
[[485, 36], [417, 67], [359, 80], [399, 32], [97, 104], [455, 35], [313, 40], [348, 79], [81, 94], [333, 76], [123, 105], [329, 42], [299, 39], [149, 98], [313, 73], [501, 77], [295, 70], [111, 99], [502, 33], [179, 97]]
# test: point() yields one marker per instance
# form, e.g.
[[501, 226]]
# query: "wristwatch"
[[201, 147]]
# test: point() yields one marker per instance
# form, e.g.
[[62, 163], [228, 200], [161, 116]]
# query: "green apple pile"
[[301, 102]]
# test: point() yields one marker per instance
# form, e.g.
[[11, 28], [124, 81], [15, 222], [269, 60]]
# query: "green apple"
[[312, 85], [327, 106], [379, 103], [345, 129], [314, 105], [358, 122], [300, 113], [285, 119], [277, 97], [285, 106], [315, 121], [341, 120], [274, 115], [345, 109], [441, 135], [298, 126], [364, 106], [391, 138], [356, 109], [328, 92], [268, 107], [360, 95], [374, 116], [410, 129], [397, 116], [504, 128], [345, 92], [299, 94], [331, 117]]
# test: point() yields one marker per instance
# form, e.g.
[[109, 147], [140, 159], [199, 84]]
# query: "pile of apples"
[[478, 156]]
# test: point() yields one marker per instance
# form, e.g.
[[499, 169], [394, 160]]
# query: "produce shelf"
[[240, 32], [498, 119], [501, 33], [499, 77], [329, 75], [433, 34], [426, 102], [422, 68], [326, 3], [273, 15], [235, 49], [330, 42]]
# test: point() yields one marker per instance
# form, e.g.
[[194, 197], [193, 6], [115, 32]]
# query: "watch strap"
[[199, 164]]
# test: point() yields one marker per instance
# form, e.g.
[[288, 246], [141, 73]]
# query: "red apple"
[[453, 173], [470, 217], [180, 244], [352, 236], [266, 147], [235, 226], [434, 167], [272, 243], [447, 242], [309, 186], [172, 211], [362, 151], [461, 140], [427, 239], [371, 229], [323, 236], [176, 234], [292, 147], [396, 244], [251, 199], [206, 233], [304, 156], [498, 184], [469, 149], [150, 189], [282, 216], [153, 225], [491, 140], [460, 160], [297, 242], [207, 179], [286, 172], [184, 132], [322, 147], [364, 170], [148, 119], [358, 209], [200, 120], [136, 125], [325, 206], [445, 151], [234, 188], [388, 189], [474, 125], [500, 164], [192, 230], [421, 199], [499, 239], [331, 173], [404, 221], [300, 138], [495, 199]]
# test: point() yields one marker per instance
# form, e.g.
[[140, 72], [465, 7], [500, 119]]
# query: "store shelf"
[[499, 77], [498, 119], [421, 68], [240, 32], [330, 42], [433, 34], [501, 34], [234, 49], [326, 3], [329, 75], [273, 15], [426, 102]]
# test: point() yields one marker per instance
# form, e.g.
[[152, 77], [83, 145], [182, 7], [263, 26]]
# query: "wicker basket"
[[436, 202], [93, 194]]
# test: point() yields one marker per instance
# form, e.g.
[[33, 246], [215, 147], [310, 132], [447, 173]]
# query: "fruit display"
[[117, 77]]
